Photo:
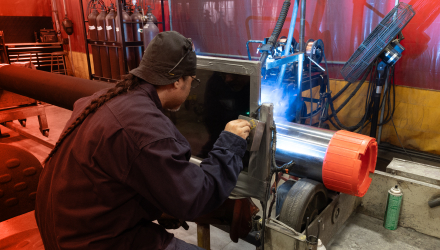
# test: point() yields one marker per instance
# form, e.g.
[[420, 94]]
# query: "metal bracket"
[[297, 57]]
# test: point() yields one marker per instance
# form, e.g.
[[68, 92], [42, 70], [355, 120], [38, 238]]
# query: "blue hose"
[[286, 51]]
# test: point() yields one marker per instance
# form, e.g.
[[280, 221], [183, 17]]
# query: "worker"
[[120, 162]]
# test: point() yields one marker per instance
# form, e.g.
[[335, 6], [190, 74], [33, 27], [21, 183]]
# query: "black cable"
[[344, 88], [385, 99], [354, 92], [334, 113], [274, 195], [263, 205], [316, 112], [274, 169], [392, 86], [368, 100], [311, 91], [398, 137], [276, 32]]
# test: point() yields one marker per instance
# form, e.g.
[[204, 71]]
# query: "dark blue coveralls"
[[123, 167]]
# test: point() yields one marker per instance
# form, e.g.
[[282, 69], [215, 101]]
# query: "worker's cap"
[[168, 57]]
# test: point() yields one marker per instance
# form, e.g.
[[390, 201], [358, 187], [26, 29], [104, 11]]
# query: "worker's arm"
[[162, 174]]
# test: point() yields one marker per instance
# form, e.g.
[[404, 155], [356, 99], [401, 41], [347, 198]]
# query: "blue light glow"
[[282, 97]]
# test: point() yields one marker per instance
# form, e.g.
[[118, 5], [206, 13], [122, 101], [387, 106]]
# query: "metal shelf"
[[122, 45]]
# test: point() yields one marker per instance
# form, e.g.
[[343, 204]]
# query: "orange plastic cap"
[[349, 159]]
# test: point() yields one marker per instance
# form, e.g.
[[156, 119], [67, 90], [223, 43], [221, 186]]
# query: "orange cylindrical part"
[[349, 159]]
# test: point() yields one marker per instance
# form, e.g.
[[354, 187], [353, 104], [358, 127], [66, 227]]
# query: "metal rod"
[[382, 69], [57, 22], [70, 45], [247, 47], [163, 15], [121, 36], [382, 111], [303, 26], [170, 14], [286, 51], [36, 136], [225, 55], [336, 62], [319, 66], [289, 41], [71, 56], [85, 39]]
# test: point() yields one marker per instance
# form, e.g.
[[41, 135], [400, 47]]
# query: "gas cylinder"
[[150, 11], [112, 30], [149, 31], [103, 50], [128, 37], [94, 37], [136, 18]]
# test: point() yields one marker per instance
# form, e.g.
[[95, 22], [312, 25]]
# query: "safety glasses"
[[195, 82]]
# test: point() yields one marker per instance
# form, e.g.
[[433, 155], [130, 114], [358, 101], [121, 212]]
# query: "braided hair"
[[130, 81]]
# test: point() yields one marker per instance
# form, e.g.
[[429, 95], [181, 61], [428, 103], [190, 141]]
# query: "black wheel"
[[307, 198]]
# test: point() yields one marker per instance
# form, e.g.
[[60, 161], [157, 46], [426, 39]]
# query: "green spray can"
[[394, 202]]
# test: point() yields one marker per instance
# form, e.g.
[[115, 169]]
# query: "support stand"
[[381, 75], [203, 236]]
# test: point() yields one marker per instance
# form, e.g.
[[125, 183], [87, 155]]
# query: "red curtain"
[[224, 27]]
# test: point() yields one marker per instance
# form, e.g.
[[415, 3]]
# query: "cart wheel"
[[45, 132], [307, 198], [22, 122]]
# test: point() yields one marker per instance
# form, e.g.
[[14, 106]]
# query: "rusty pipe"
[[59, 90]]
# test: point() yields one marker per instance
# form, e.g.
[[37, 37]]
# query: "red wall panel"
[[25, 8], [224, 26]]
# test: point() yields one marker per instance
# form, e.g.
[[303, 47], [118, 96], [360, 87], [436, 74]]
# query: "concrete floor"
[[359, 232]]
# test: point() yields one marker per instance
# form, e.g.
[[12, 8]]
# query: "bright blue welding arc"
[[283, 99], [272, 89]]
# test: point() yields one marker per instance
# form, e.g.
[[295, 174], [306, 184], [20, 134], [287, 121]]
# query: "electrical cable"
[[316, 112], [392, 86], [263, 227], [368, 100], [334, 113], [274, 195], [311, 92], [274, 169], [398, 137], [276, 32]]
